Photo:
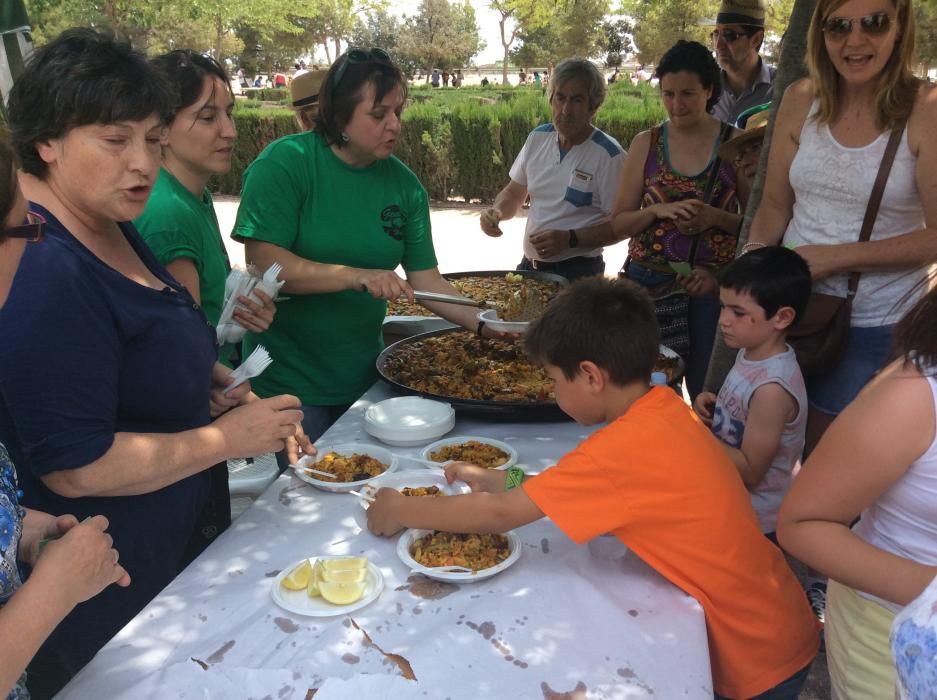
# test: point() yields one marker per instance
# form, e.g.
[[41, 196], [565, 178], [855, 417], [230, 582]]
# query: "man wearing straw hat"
[[737, 38], [304, 96], [744, 149]]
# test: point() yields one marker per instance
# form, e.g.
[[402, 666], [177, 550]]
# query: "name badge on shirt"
[[581, 180]]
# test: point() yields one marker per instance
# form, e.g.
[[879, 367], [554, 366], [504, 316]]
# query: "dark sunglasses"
[[374, 55], [874, 25], [730, 36], [32, 230]]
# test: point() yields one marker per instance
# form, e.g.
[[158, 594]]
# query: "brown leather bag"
[[819, 337]]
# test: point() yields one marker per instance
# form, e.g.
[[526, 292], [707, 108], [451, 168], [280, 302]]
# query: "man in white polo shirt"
[[571, 170]]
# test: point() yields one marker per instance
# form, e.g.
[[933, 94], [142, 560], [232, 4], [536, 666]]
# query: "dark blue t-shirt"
[[87, 353]]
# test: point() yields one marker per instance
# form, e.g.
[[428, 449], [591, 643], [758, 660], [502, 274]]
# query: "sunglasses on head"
[[374, 55], [730, 36], [875, 24], [31, 230]]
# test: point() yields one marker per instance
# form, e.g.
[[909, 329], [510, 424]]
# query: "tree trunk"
[[328, 54], [338, 47], [507, 48], [219, 37], [790, 69]]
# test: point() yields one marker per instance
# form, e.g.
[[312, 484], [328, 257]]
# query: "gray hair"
[[581, 69]]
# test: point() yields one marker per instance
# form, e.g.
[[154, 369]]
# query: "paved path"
[[460, 243]]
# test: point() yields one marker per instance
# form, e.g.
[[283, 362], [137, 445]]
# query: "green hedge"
[[462, 146], [267, 94]]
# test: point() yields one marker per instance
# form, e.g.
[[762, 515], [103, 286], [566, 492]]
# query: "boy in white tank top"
[[760, 414]]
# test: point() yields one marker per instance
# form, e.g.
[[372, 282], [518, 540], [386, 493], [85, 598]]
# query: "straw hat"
[[304, 90], [748, 12], [753, 122]]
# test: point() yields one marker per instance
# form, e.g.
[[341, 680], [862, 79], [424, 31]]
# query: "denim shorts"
[[866, 351]]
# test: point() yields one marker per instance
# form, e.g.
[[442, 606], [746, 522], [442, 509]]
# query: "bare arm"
[[138, 463], [866, 450], [628, 218], [309, 277], [478, 512], [777, 204], [506, 205], [769, 409], [184, 272], [69, 571]]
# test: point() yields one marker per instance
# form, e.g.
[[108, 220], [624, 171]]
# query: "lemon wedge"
[[344, 563], [344, 575], [298, 578], [342, 593], [312, 585]]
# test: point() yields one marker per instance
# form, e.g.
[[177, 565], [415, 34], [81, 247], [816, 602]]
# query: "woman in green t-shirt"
[[179, 222], [180, 226], [339, 212]]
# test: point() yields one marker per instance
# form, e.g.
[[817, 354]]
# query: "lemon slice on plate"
[[344, 563], [298, 578], [342, 593], [344, 575], [312, 585]]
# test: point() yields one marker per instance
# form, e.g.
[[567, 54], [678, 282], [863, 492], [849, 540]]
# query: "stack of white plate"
[[409, 420]]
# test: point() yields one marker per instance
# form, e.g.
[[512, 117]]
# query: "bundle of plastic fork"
[[243, 282], [252, 367]]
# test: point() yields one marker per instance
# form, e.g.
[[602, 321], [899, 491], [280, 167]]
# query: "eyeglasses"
[[730, 36], [32, 230], [876, 24], [374, 55]]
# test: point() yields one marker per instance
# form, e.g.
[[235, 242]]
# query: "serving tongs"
[[451, 299]]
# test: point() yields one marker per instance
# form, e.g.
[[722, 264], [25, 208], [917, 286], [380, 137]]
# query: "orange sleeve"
[[579, 496]]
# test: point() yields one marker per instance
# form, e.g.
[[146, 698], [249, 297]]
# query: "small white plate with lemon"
[[327, 585]]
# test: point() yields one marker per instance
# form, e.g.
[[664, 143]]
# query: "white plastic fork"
[[255, 363]]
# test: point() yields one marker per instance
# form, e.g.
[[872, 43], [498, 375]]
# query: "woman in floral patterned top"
[[663, 206], [78, 566]]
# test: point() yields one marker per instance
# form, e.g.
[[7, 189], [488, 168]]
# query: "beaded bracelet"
[[752, 245], [515, 478]]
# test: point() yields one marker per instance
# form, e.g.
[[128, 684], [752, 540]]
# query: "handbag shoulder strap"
[[875, 199]]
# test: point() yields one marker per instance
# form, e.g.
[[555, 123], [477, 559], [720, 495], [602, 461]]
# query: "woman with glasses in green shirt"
[[340, 213]]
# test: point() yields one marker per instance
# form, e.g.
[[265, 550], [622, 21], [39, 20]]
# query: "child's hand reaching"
[[478, 478], [382, 514], [704, 405]]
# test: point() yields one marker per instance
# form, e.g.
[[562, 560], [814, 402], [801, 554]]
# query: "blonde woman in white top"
[[829, 138]]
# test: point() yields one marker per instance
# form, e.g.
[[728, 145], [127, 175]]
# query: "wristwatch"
[[573, 239]]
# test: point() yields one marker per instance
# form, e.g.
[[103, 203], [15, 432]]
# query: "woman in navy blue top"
[[107, 362]]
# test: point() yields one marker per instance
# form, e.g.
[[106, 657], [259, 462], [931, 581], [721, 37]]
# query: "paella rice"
[[421, 491], [475, 552], [480, 453], [349, 468]]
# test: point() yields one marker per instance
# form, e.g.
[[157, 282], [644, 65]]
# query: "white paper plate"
[[300, 603], [512, 453], [414, 479], [490, 317], [346, 450], [407, 421], [410, 536]]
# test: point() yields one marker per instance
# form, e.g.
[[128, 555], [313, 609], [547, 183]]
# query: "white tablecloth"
[[561, 619]]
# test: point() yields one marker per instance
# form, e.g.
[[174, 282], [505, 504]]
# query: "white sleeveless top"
[[903, 520], [832, 185]]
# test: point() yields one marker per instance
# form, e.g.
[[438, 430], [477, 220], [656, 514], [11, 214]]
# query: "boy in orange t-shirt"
[[655, 477]]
